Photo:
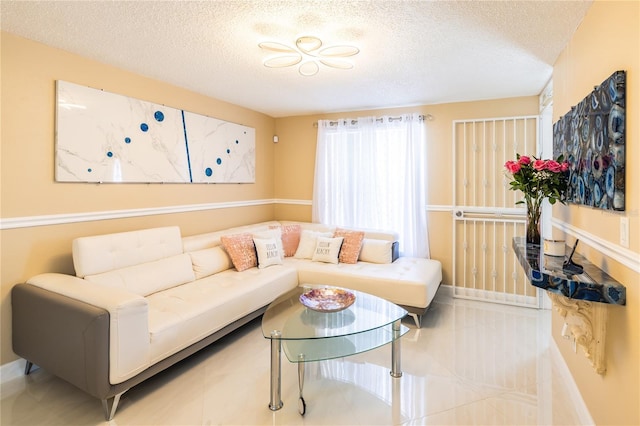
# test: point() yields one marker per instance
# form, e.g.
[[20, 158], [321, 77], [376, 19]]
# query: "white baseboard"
[[12, 370], [574, 393], [445, 290], [495, 297]]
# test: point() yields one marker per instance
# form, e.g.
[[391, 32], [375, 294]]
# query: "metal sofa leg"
[[417, 319], [27, 368], [111, 405]]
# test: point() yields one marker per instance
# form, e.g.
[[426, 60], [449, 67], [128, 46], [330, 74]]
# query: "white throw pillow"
[[376, 251], [275, 233], [269, 252], [210, 261], [308, 242], [327, 249]]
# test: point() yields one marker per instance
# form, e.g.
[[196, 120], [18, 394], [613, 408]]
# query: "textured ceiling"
[[411, 52]]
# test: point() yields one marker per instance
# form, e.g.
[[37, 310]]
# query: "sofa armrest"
[[66, 337], [129, 346]]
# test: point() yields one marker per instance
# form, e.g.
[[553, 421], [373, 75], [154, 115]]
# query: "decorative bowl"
[[327, 299]]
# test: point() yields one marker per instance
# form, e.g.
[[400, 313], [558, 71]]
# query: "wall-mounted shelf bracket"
[[582, 300], [586, 324]]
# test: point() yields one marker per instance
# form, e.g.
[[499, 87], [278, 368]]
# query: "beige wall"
[[295, 160], [607, 40], [285, 171], [28, 72]]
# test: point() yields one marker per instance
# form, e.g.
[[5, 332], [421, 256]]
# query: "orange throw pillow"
[[350, 246], [290, 238], [241, 250]]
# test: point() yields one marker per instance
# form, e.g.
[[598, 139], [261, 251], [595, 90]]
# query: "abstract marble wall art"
[[220, 151], [106, 137], [592, 139]]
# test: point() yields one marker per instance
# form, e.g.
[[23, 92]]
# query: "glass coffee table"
[[310, 335]]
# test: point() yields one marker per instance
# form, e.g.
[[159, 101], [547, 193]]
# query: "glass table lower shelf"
[[307, 335]]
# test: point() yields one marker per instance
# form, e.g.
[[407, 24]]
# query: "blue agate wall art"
[[105, 137], [592, 139]]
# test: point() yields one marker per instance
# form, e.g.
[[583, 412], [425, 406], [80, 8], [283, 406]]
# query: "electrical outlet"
[[624, 232]]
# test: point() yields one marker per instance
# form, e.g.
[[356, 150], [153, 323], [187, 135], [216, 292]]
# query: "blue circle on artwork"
[[609, 181], [208, 171], [613, 93], [588, 161], [598, 122], [89, 170], [219, 161], [616, 123], [581, 190], [228, 151], [158, 115], [585, 131], [605, 101], [109, 154], [127, 140], [597, 193], [600, 141], [237, 142], [144, 127]]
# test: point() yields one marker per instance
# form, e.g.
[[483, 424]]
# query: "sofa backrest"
[[212, 239], [374, 234], [103, 253]]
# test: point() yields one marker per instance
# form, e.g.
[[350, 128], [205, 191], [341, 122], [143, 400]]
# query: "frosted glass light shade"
[[308, 52]]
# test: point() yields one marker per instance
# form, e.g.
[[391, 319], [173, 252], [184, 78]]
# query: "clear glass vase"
[[533, 224]]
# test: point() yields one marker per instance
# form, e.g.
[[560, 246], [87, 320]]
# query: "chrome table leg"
[[396, 368], [276, 351], [302, 405]]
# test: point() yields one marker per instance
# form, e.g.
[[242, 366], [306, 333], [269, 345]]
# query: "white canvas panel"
[[105, 137], [220, 151]]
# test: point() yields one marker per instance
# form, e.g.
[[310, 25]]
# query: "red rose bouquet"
[[537, 179]]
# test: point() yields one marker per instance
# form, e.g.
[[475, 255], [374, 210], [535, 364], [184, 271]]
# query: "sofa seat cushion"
[[408, 281], [150, 277], [183, 315]]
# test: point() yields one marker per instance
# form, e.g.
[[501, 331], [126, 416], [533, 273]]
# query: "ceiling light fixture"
[[308, 52]]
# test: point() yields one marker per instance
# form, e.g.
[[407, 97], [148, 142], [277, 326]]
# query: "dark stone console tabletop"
[[546, 273]]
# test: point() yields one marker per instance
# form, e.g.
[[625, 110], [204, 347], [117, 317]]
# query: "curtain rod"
[[427, 117]]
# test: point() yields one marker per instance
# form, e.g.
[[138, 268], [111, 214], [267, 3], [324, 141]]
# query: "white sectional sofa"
[[143, 300]]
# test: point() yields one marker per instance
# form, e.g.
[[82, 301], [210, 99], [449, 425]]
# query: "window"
[[370, 173]]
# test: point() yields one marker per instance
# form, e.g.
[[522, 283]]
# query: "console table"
[[581, 299]]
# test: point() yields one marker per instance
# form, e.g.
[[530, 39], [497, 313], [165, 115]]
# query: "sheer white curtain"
[[370, 173]]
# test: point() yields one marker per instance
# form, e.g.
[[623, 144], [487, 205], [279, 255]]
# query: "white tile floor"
[[470, 363]]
